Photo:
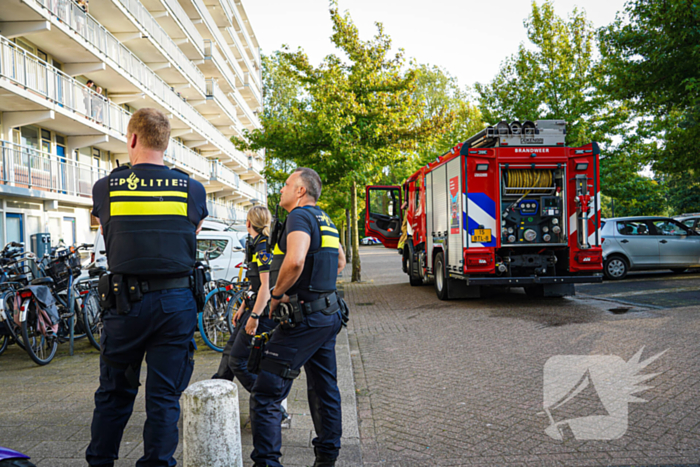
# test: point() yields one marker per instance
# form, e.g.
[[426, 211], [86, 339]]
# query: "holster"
[[344, 313], [113, 294], [200, 281], [257, 346]]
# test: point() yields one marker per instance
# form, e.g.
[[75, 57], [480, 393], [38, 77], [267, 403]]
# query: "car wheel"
[[615, 268]]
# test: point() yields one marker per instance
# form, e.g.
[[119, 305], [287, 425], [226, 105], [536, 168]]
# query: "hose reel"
[[527, 181]]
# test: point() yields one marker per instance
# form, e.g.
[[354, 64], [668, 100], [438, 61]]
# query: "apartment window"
[[25, 45], [42, 55], [46, 141], [96, 157]]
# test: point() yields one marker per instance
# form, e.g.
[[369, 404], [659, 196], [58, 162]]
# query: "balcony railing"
[[221, 173], [182, 18], [94, 33], [257, 164], [225, 213], [26, 167], [148, 22], [211, 52], [215, 92], [24, 68], [179, 154], [246, 36], [245, 108], [250, 84], [250, 68]]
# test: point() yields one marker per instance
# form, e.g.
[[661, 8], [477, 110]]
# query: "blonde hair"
[[152, 127], [260, 218]]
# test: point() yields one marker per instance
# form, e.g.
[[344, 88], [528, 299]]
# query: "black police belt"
[[292, 313], [120, 291]]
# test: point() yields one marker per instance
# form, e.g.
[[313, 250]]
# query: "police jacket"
[[321, 266], [149, 215], [258, 261]]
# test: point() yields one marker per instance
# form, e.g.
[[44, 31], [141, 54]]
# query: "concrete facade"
[[197, 61]]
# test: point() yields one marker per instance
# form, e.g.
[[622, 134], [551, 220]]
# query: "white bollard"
[[211, 425]]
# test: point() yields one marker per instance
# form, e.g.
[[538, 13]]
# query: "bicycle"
[[91, 311], [13, 276], [42, 332]]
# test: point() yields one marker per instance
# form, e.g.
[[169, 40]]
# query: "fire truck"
[[512, 206]]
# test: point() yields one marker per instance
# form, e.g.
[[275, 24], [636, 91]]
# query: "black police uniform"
[[149, 216], [311, 344], [234, 361]]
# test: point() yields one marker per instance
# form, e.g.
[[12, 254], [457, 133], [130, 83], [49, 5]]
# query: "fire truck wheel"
[[615, 268], [413, 275], [441, 282]]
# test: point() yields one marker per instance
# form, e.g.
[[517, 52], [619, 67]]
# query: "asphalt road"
[[464, 382]]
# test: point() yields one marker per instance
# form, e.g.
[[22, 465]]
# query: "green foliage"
[[556, 76], [651, 57], [683, 192]]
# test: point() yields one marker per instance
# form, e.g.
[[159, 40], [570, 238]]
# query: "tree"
[[651, 57], [555, 77], [353, 117]]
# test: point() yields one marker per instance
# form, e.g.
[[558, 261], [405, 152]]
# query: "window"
[[669, 227], [96, 157], [384, 202], [690, 223], [633, 228], [215, 248]]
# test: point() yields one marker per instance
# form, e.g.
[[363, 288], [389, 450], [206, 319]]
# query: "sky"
[[467, 38]]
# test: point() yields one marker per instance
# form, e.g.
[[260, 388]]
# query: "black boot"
[[324, 460]]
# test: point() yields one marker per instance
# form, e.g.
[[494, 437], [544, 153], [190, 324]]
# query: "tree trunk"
[[356, 276], [348, 236]]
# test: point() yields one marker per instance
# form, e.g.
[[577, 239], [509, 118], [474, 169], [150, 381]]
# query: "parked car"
[[692, 221], [369, 241], [639, 243], [226, 249]]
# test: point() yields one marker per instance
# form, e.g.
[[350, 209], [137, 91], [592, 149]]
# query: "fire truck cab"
[[511, 206]]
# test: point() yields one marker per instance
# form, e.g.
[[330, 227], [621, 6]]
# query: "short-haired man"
[[307, 275], [149, 215]]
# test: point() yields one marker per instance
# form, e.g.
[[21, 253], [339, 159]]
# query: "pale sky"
[[467, 38]]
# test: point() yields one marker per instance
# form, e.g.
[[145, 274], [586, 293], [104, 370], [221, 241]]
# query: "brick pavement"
[[461, 383], [46, 412]]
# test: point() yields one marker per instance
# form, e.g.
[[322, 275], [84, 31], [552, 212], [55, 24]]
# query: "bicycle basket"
[[60, 272]]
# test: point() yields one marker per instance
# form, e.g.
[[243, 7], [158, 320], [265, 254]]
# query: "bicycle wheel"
[[39, 343], [233, 305], [10, 309], [92, 318], [4, 342], [212, 319]]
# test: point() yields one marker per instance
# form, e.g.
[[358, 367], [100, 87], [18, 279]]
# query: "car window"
[[632, 228], [215, 247], [691, 224], [669, 227]]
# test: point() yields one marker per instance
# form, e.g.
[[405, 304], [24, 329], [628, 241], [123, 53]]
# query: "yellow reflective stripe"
[[329, 229], [148, 208], [328, 241], [181, 194]]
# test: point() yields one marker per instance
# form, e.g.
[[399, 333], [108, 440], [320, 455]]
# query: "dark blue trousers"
[[234, 361], [161, 327], [312, 345]]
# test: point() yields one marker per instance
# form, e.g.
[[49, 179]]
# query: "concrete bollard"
[[211, 425]]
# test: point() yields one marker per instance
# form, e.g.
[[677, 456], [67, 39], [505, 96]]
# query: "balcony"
[[223, 178], [108, 49], [215, 93], [251, 120], [242, 30], [240, 54], [30, 169], [178, 25], [114, 14], [257, 164], [69, 95], [183, 157], [226, 212], [252, 89], [216, 65]]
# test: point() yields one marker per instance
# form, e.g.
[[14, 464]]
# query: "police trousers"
[[234, 361], [161, 327], [310, 344]]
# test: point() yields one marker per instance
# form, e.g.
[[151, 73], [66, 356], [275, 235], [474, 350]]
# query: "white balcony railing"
[[179, 59], [225, 212], [257, 164], [26, 167], [252, 86], [94, 33], [245, 108], [179, 154], [248, 190], [24, 68], [223, 174], [215, 92], [251, 48], [182, 18], [250, 68]]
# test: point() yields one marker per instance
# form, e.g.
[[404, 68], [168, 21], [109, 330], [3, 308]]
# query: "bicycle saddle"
[[42, 281]]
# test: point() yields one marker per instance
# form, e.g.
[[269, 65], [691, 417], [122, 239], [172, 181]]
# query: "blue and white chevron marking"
[[481, 211]]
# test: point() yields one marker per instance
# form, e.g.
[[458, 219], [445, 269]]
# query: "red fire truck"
[[511, 206]]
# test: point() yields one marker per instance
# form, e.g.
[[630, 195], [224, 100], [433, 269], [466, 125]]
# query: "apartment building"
[[71, 76]]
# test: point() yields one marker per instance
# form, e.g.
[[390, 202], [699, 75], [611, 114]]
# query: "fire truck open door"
[[383, 214]]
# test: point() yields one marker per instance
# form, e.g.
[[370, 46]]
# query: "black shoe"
[[324, 460]]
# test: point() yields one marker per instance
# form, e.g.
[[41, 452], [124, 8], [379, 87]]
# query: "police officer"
[[312, 258], [253, 315], [149, 216]]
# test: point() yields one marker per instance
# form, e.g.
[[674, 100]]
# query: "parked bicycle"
[[14, 274]]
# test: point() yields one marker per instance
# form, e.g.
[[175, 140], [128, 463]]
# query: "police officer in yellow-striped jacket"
[[150, 216], [305, 266]]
